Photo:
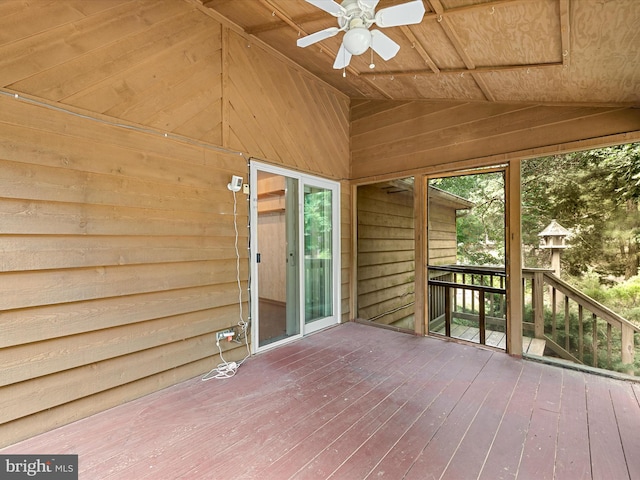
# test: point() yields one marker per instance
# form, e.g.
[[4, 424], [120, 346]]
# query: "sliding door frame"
[[303, 179]]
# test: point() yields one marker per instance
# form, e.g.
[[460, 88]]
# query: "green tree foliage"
[[595, 194], [480, 232], [317, 222]]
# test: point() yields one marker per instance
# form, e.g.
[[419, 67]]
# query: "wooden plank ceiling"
[[534, 51]]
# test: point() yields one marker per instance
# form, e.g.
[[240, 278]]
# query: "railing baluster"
[[455, 296], [553, 315], [580, 333], [483, 319], [503, 311], [447, 311], [464, 293], [491, 297], [609, 345], [594, 340], [566, 323], [538, 287], [473, 296]]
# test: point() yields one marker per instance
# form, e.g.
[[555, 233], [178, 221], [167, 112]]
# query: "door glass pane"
[[318, 253], [278, 277]]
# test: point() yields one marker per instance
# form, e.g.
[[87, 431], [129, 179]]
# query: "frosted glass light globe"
[[357, 40]]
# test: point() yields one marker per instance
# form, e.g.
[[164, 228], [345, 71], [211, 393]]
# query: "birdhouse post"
[[553, 238]]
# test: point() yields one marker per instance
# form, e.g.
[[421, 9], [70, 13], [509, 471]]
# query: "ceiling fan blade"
[[317, 37], [383, 45], [342, 58], [403, 14], [328, 6]]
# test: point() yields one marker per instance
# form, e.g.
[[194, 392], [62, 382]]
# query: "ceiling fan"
[[355, 17]]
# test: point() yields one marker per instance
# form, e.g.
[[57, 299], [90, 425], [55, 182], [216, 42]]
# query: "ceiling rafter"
[[461, 71], [419, 48], [565, 31], [267, 27], [451, 34], [489, 36], [276, 11]]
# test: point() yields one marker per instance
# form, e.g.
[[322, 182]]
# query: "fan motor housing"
[[355, 12]]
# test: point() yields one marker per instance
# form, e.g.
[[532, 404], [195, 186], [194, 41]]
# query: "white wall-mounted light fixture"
[[236, 183]]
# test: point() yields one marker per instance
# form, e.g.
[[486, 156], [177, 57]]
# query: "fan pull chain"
[[372, 65]]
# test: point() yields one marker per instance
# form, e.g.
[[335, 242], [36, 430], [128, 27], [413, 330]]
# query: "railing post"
[[538, 305], [627, 346]]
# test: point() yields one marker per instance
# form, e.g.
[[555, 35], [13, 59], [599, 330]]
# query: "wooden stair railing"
[[575, 326]]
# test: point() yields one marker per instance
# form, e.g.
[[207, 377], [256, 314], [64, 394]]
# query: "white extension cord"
[[229, 369]]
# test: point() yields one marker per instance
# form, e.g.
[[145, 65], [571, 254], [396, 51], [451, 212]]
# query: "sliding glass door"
[[294, 255]]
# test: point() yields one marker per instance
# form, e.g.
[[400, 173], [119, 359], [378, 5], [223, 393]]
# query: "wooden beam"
[[419, 48], [483, 86], [224, 21], [461, 71], [353, 278], [226, 107], [513, 236], [420, 277], [276, 11], [291, 23], [268, 27], [565, 31], [453, 37]]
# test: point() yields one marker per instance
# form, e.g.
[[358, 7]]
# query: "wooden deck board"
[[625, 406], [573, 458], [607, 452], [539, 450], [533, 346], [357, 402]]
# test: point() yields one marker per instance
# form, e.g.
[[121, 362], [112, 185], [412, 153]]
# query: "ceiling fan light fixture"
[[357, 40]]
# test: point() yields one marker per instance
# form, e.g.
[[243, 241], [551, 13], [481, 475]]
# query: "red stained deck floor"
[[357, 402]]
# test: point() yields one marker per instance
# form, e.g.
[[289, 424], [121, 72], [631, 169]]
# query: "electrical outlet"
[[224, 334]]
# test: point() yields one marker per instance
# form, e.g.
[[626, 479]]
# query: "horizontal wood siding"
[[117, 258], [442, 235], [386, 256], [400, 138], [117, 263], [386, 250]]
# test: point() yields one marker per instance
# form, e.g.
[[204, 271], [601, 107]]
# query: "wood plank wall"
[[116, 244], [386, 250], [275, 120], [148, 62], [386, 256], [117, 264], [441, 228], [399, 138]]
